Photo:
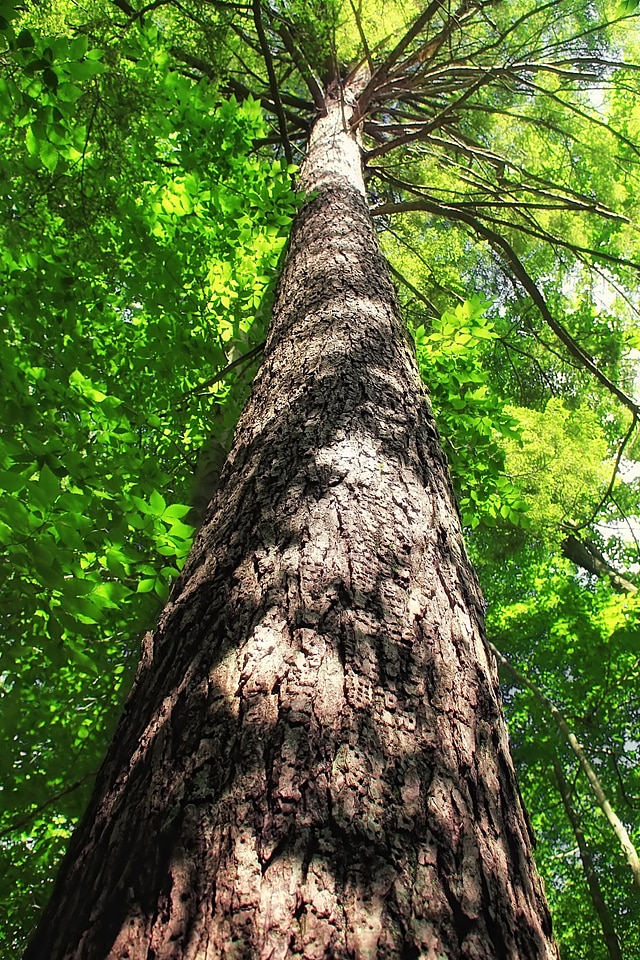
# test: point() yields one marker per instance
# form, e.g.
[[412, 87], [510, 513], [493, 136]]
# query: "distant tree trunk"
[[614, 820], [312, 761], [588, 868]]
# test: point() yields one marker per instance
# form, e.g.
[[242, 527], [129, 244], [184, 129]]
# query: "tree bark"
[[586, 555], [312, 761]]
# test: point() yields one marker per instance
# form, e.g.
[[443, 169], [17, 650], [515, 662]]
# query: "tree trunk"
[[312, 761], [588, 868]]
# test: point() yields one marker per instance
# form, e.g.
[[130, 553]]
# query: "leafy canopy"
[[146, 164]]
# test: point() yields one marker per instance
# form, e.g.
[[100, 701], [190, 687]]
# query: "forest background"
[[147, 165]]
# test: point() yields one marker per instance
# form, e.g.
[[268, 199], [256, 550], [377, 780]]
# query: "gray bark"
[[313, 760]]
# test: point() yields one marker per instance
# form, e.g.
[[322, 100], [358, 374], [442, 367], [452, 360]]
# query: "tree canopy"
[[147, 183]]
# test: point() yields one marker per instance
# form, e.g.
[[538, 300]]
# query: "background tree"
[[495, 120]]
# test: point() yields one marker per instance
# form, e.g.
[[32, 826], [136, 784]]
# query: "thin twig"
[[508, 255], [303, 68], [245, 358], [27, 818], [616, 467]]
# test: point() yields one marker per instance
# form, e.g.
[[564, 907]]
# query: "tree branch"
[[616, 467], [584, 116], [383, 70], [508, 255], [303, 68], [273, 81], [618, 827], [221, 374], [363, 39], [436, 122], [587, 556], [28, 817], [588, 867], [414, 290]]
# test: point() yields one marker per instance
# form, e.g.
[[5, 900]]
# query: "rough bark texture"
[[313, 761]]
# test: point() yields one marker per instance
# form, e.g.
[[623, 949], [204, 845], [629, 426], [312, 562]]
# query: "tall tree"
[[313, 759], [308, 618]]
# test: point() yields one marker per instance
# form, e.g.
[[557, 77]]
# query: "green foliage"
[[139, 241], [560, 463], [141, 227], [470, 416], [581, 647]]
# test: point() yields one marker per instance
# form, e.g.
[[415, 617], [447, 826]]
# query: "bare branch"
[[601, 799], [550, 201], [414, 290], [363, 39], [428, 51], [616, 467], [28, 817], [221, 374], [425, 263], [539, 234], [383, 70], [508, 255], [586, 555], [475, 151], [585, 116], [125, 7], [303, 68], [437, 121], [273, 80]]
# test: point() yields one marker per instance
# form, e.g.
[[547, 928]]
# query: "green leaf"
[[84, 661], [85, 70], [49, 483], [78, 47], [146, 586], [50, 78], [157, 503], [16, 516], [32, 142], [85, 387], [176, 511], [24, 40], [48, 155], [69, 92]]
